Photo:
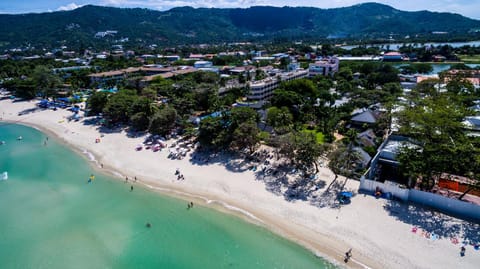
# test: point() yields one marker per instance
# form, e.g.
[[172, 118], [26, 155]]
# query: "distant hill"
[[187, 25]]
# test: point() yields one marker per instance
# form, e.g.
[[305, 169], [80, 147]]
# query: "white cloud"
[[70, 6]]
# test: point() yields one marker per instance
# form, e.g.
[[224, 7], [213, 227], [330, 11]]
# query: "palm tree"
[[343, 161]]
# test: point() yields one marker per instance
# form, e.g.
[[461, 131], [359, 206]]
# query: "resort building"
[[365, 118], [263, 89], [203, 64], [147, 73], [472, 76], [324, 67], [393, 57]]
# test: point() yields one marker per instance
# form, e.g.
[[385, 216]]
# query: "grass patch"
[[470, 58], [318, 135], [264, 136]]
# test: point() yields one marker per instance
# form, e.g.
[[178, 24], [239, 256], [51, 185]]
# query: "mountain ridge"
[[187, 25]]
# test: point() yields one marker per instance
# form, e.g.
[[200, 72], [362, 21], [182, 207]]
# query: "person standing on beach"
[[348, 255]]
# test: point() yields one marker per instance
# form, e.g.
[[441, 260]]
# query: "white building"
[[203, 64], [263, 89], [324, 67]]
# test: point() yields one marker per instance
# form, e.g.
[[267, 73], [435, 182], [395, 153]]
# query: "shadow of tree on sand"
[[232, 162], [433, 222], [30, 110], [294, 186], [102, 127], [280, 178]]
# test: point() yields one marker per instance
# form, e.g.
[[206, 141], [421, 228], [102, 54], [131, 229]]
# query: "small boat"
[[4, 176], [19, 138], [2, 142]]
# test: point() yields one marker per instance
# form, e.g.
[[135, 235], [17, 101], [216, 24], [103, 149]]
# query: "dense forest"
[[185, 25]]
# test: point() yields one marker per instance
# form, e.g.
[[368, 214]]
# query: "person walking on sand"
[[348, 255]]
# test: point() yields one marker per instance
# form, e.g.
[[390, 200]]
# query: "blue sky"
[[469, 8]]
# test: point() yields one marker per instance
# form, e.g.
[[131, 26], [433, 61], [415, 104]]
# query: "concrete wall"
[[394, 189], [442, 203], [449, 205]]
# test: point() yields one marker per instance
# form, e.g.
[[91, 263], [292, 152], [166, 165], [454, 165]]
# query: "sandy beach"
[[381, 233]]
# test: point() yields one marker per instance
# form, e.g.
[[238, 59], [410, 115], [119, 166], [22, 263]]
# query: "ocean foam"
[[90, 156], [208, 201]]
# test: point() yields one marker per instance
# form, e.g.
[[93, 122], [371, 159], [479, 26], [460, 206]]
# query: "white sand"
[[380, 237]]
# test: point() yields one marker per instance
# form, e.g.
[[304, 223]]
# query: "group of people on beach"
[[179, 175], [126, 181], [126, 178]]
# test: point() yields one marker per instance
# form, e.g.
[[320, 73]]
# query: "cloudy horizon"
[[466, 8]]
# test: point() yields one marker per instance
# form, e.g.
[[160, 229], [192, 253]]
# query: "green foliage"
[[236, 129], [264, 136], [280, 119], [97, 102], [22, 88], [140, 121], [186, 25], [307, 150], [163, 121], [302, 149], [45, 81], [284, 98], [435, 125], [246, 136], [212, 133], [241, 115], [422, 68], [319, 137], [343, 161], [344, 73], [303, 87], [117, 109]]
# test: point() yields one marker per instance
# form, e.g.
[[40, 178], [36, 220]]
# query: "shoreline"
[[227, 207], [326, 232]]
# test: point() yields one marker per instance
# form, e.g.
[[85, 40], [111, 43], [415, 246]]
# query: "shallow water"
[[50, 217]]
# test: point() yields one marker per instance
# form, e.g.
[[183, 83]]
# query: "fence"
[[452, 206], [394, 189], [448, 205]]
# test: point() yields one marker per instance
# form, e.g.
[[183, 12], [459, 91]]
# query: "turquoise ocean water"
[[50, 217]]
